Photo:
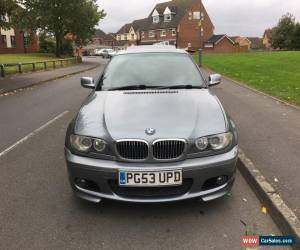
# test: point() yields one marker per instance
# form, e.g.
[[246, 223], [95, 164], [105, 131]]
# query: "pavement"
[[269, 133], [38, 210], [17, 81]]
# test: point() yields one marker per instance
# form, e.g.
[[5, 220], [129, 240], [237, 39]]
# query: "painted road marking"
[[33, 133]]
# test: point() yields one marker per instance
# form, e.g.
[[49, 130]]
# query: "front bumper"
[[197, 171]]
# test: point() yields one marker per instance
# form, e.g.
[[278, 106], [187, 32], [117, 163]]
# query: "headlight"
[[215, 142], [85, 144], [81, 143], [201, 143], [99, 145]]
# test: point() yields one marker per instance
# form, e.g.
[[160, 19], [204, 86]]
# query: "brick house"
[[101, 39], [16, 41], [222, 44], [184, 23]]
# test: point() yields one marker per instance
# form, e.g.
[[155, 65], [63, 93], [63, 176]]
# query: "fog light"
[[81, 182], [221, 180]]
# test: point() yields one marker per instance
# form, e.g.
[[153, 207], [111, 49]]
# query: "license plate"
[[151, 178]]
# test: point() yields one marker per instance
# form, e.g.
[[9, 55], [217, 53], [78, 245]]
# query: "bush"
[[47, 44]]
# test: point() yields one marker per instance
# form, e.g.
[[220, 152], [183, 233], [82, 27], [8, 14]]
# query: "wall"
[[32, 48], [189, 30], [157, 36]]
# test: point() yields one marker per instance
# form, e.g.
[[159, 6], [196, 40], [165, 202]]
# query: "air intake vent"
[[151, 92], [133, 149], [168, 149]]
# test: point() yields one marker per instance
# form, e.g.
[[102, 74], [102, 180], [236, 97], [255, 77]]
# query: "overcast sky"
[[233, 17]]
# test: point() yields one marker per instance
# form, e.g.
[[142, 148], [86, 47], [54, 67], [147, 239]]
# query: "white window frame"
[[155, 19], [168, 17], [163, 33], [174, 32], [125, 37], [151, 34], [196, 15], [143, 34]]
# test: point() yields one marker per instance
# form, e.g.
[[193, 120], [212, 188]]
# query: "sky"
[[231, 17]]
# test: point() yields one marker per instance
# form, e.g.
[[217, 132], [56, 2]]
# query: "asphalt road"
[[38, 210]]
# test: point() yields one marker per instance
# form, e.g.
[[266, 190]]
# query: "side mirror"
[[87, 82], [214, 80]]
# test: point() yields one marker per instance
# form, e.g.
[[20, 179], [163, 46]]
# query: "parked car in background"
[[146, 134], [99, 52], [108, 53]]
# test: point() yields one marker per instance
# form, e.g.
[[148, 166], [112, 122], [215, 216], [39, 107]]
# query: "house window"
[[168, 17], [196, 15], [202, 31], [174, 33], [118, 37], [125, 37], [26, 40], [155, 19], [13, 41], [163, 33], [151, 34], [143, 34], [4, 41], [202, 16]]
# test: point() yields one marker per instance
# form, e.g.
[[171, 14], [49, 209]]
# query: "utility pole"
[[200, 27], [200, 37]]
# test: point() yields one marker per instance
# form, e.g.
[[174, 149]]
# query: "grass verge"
[[275, 73]]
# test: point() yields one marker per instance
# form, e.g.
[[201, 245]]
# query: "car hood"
[[172, 113]]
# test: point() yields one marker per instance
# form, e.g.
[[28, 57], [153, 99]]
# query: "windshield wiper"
[[183, 86], [133, 87]]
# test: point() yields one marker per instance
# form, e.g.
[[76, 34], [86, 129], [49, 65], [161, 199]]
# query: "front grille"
[[132, 150], [151, 192], [168, 149]]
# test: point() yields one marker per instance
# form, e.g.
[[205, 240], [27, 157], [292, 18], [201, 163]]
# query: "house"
[[241, 41], [184, 23], [14, 41], [101, 39], [130, 34], [256, 43], [219, 44], [267, 39]]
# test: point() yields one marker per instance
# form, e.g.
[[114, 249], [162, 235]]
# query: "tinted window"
[[151, 69]]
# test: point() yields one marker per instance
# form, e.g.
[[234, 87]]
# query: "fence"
[[34, 66]]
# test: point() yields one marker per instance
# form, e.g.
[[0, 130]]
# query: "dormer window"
[[167, 15], [156, 19], [155, 16]]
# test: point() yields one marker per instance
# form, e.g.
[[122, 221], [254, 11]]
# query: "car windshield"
[[151, 70]]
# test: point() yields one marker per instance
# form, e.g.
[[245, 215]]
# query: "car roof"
[[152, 49]]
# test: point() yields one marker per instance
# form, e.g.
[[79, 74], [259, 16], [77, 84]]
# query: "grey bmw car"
[[151, 130]]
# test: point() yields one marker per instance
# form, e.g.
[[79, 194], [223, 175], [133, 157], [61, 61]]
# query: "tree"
[[7, 8], [283, 33], [61, 17], [296, 37]]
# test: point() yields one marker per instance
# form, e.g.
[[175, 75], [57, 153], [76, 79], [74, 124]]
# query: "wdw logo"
[[252, 241]]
